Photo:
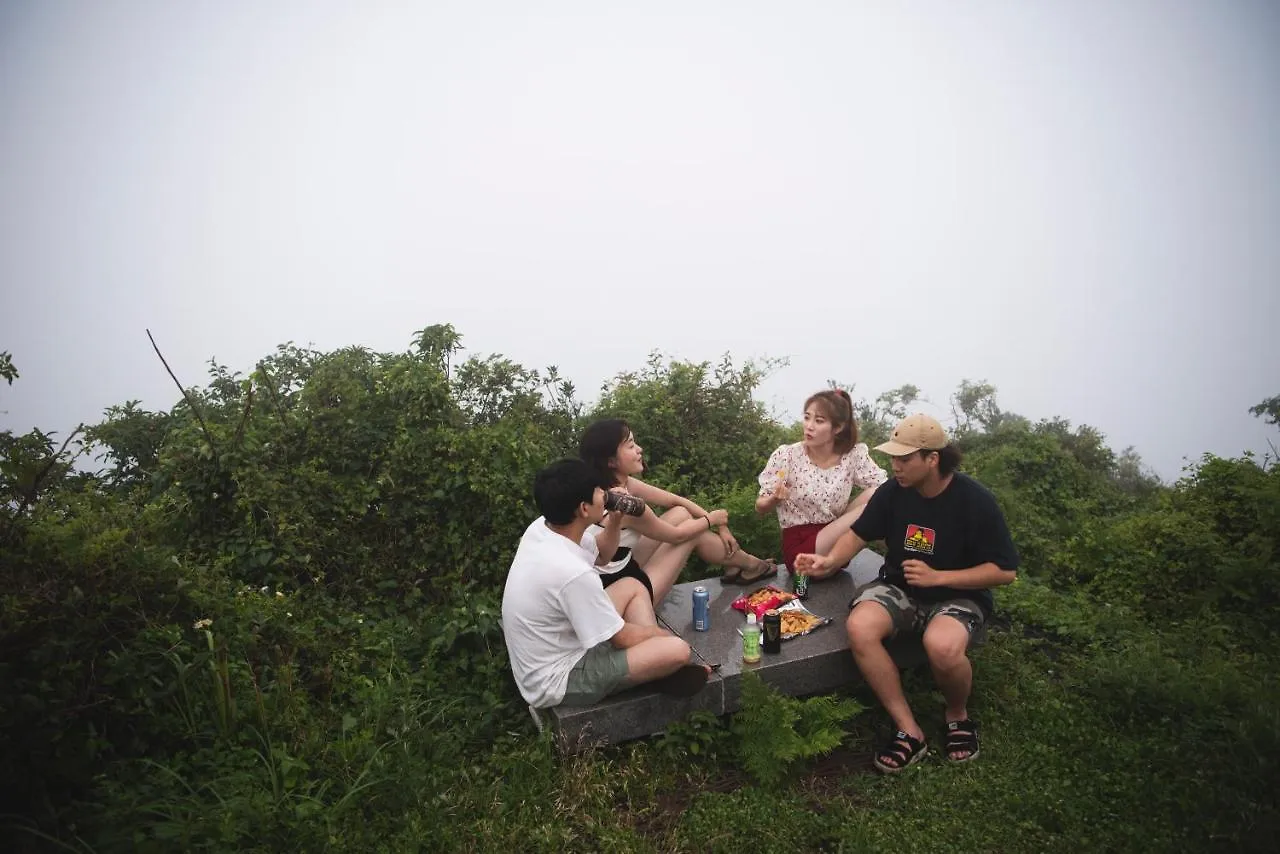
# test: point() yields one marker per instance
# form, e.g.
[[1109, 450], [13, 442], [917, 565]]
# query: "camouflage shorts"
[[910, 614]]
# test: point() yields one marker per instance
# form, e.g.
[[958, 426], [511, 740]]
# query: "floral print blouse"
[[818, 495]]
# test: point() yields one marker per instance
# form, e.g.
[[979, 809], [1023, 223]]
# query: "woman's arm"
[[607, 539], [865, 474], [773, 486], [661, 497], [770, 500], [859, 500], [652, 526], [827, 536]]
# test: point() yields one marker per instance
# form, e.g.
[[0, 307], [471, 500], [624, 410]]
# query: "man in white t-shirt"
[[570, 641]]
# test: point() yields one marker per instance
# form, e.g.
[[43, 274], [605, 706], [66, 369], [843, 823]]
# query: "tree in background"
[[876, 418], [28, 464], [7, 371], [1269, 410], [700, 426]]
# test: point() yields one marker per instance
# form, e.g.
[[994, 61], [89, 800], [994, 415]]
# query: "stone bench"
[[814, 663]]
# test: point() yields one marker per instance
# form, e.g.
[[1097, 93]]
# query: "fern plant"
[[775, 731]]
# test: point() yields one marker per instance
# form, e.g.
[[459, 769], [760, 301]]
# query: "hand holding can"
[[624, 502]]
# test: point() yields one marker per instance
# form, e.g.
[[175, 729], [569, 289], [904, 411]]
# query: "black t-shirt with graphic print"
[[959, 528]]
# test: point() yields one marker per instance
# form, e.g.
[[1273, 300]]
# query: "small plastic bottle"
[[751, 640]]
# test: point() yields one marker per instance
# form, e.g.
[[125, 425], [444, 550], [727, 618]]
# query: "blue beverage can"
[[701, 609]]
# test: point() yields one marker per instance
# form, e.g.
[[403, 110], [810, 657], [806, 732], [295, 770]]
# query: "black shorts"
[[631, 570]]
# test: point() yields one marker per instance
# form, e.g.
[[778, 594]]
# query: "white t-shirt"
[[629, 538], [553, 610]]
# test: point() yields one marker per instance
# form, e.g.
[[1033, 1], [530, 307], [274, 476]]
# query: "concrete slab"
[[817, 662]]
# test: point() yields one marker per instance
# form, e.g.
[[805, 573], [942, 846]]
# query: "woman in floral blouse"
[[809, 483]]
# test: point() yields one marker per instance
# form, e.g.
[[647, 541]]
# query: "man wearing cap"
[[947, 545]]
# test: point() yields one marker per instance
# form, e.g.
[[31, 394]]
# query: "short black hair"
[[948, 458], [561, 487]]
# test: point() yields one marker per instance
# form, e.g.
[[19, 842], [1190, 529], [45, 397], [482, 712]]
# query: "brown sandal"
[[731, 575], [761, 570]]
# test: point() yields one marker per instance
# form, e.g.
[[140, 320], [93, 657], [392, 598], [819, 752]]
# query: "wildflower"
[[359, 619], [202, 624], [264, 589], [279, 595], [288, 613]]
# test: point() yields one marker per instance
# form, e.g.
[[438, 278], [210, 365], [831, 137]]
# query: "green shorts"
[[911, 614], [600, 672]]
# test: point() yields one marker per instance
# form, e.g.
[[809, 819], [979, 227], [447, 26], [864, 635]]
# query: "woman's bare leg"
[[664, 565], [708, 545], [741, 559], [644, 549]]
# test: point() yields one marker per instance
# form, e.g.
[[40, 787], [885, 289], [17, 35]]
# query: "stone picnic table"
[[810, 664]]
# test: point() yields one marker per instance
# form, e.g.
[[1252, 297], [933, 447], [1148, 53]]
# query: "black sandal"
[[900, 753], [685, 682], [962, 737]]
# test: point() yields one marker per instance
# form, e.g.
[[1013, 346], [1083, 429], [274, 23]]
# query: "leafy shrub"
[[360, 471], [344, 521], [81, 591], [775, 731], [700, 427], [701, 735]]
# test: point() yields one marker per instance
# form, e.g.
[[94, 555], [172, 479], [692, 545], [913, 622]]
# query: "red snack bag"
[[759, 601]]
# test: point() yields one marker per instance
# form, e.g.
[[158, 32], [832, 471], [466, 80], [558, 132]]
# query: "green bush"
[[271, 622], [700, 427], [775, 731], [82, 593]]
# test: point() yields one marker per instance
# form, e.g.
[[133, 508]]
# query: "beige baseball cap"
[[917, 432]]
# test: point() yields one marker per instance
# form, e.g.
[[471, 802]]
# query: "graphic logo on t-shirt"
[[919, 539]]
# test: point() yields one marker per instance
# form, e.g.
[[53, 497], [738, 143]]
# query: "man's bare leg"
[[653, 658], [868, 626], [945, 643], [632, 601], [656, 657]]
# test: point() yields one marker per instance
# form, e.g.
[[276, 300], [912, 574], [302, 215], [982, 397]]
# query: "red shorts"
[[799, 540]]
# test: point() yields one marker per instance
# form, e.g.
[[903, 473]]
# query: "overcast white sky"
[[1076, 201]]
